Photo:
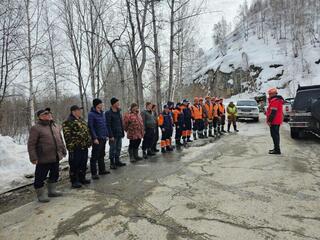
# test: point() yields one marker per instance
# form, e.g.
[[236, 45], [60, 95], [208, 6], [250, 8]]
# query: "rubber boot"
[[150, 152], [145, 155], [119, 163], [169, 148], [229, 126], [41, 195], [75, 183], [136, 155], [195, 136], [210, 133], [82, 178], [163, 150], [131, 155], [235, 128], [189, 140], [52, 192], [113, 164]]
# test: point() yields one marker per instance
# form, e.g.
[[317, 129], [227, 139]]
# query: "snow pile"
[[14, 164], [279, 67]]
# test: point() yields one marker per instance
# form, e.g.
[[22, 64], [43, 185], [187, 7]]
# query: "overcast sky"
[[228, 8]]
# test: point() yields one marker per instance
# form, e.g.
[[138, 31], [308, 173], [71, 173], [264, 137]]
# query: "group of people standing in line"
[[202, 119]]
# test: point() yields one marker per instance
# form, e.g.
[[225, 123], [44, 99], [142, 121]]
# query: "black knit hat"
[[114, 100], [96, 102]]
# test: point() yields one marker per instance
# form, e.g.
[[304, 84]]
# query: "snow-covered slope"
[[275, 58], [14, 164]]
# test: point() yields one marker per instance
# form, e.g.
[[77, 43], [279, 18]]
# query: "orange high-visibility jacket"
[[209, 110], [197, 112], [222, 110], [175, 115], [215, 110]]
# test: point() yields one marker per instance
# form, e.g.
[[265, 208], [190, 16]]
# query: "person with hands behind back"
[[46, 149]]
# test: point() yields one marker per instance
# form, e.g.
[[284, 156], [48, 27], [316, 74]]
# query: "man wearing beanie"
[[116, 133], [99, 133]]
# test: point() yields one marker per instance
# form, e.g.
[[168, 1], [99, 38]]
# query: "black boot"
[[155, 150], [194, 136], [189, 140], [150, 152], [136, 155], [119, 163], [82, 178], [235, 128], [229, 126], [275, 152], [169, 149], [163, 150], [75, 183], [145, 155], [113, 164]]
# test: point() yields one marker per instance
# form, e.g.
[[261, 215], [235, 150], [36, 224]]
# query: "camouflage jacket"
[[76, 134]]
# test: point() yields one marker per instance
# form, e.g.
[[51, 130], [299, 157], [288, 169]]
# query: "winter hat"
[[75, 107], [114, 100], [165, 106], [42, 111], [272, 91], [185, 101], [170, 104], [96, 102]]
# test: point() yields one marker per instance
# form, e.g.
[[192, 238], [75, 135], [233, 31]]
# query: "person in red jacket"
[[275, 118]]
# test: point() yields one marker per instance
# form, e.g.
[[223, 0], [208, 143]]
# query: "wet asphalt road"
[[228, 188]]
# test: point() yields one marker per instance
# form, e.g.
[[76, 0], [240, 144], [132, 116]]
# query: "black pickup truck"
[[305, 115]]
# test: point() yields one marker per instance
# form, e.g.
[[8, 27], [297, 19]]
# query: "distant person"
[[166, 126], [99, 134], [197, 119], [187, 115], [232, 116], [78, 140], [275, 118], [133, 125], [222, 114], [116, 133], [46, 149], [156, 135], [150, 125]]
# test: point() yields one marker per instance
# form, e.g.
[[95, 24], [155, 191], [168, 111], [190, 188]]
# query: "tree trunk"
[[157, 58], [171, 50]]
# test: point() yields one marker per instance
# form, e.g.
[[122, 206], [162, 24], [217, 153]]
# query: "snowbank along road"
[[225, 189]]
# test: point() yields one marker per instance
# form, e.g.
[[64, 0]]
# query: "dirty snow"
[[14, 163]]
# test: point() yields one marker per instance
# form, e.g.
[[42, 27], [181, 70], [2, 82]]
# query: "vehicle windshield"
[[247, 103], [305, 99]]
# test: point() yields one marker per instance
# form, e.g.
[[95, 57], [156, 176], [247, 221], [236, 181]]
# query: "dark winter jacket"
[[76, 134], [149, 119], [114, 124], [97, 124], [45, 143], [165, 121]]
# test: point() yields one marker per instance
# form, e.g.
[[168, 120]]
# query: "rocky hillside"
[[253, 62]]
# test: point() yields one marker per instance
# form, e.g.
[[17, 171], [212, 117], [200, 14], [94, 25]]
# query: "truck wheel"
[[295, 133], [315, 110]]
